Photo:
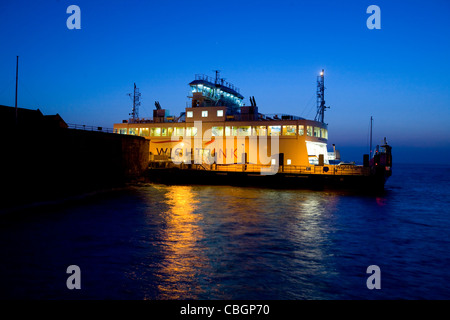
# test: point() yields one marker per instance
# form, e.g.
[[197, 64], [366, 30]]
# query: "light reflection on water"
[[179, 238], [214, 240]]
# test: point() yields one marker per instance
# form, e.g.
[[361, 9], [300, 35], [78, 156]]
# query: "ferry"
[[220, 140]]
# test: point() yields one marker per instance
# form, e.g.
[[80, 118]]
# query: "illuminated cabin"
[[219, 128]]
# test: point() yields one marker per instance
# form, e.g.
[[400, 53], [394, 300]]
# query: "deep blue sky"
[[272, 50]]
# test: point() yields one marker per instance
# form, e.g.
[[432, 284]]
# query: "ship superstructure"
[[220, 135]]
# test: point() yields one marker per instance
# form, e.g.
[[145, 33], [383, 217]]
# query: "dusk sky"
[[273, 50]]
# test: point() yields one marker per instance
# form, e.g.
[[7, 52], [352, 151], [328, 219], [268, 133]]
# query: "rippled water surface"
[[220, 242]]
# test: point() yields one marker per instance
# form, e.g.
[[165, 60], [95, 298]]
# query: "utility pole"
[[17, 81], [370, 152]]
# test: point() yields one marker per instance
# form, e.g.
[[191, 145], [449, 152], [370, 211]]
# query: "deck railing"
[[290, 169], [90, 128]]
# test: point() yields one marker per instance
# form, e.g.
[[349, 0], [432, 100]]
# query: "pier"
[[46, 160]]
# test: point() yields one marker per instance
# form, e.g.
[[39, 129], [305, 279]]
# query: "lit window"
[[220, 113], [132, 131], [155, 132], [289, 130], [309, 131], [288, 161], [144, 132], [244, 131], [179, 131], [227, 131], [189, 114], [217, 131], [301, 129], [204, 114], [274, 130], [191, 131], [169, 131], [316, 132], [324, 133], [259, 131], [123, 131]]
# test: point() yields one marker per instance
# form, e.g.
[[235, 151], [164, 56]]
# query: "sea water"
[[154, 241]]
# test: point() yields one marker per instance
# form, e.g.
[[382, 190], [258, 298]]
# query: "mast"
[[217, 77], [320, 115], [136, 103], [17, 81]]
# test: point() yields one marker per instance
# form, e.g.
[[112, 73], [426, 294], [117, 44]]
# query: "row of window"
[[287, 130], [190, 114], [160, 132]]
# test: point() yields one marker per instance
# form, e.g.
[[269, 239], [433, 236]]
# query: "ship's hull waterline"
[[188, 175]]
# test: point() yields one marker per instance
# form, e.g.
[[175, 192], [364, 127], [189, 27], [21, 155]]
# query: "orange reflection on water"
[[183, 259]]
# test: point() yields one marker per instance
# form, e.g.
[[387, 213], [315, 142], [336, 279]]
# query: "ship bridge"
[[210, 92]]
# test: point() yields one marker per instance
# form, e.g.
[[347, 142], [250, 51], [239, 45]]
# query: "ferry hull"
[[281, 180]]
